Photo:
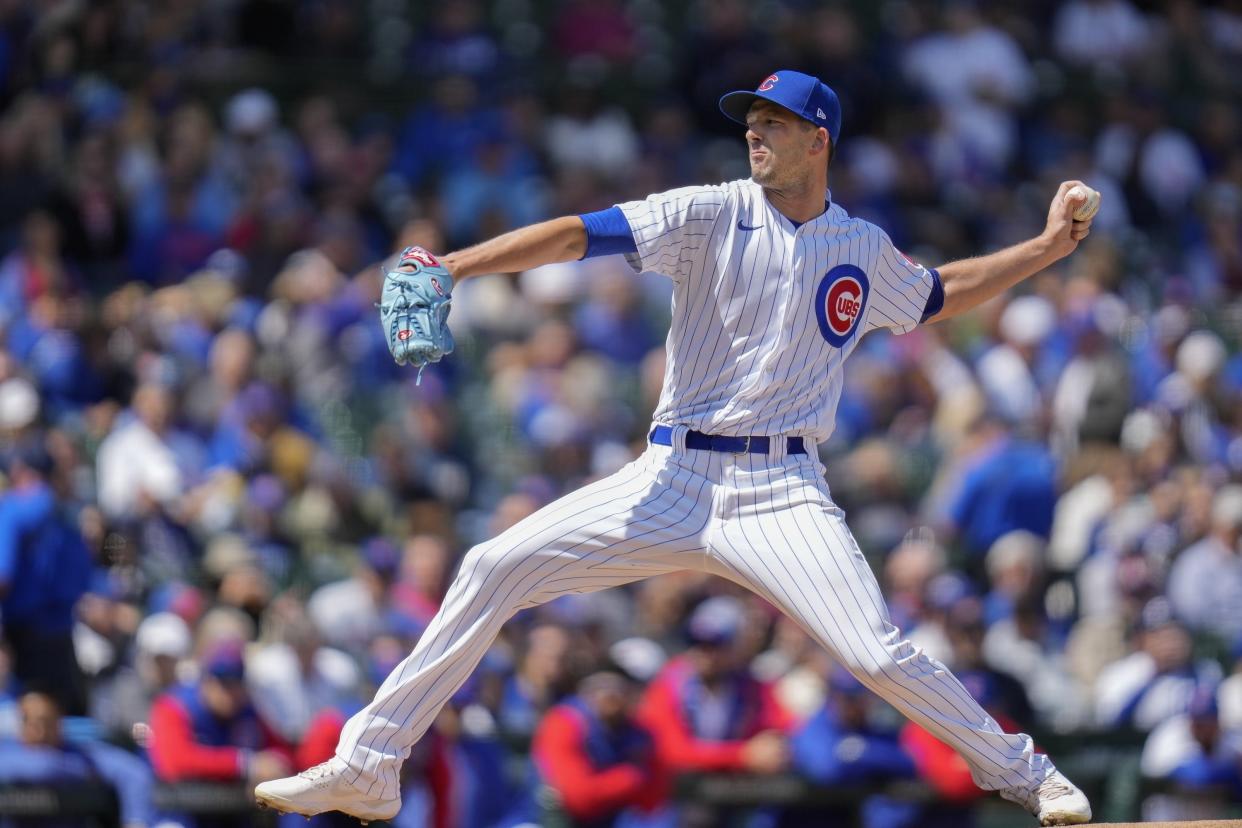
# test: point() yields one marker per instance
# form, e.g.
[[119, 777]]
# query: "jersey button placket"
[[785, 287]]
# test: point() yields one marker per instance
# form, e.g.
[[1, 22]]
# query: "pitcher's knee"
[[496, 568], [878, 676], [887, 667]]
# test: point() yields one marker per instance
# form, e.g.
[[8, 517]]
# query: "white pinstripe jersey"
[[765, 314]]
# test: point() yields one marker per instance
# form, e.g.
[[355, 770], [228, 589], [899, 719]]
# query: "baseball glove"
[[414, 309]]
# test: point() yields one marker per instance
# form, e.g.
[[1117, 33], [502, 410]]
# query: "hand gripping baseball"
[[414, 309]]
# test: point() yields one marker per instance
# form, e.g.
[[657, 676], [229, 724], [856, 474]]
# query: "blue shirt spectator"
[[839, 746], [1011, 485], [45, 568], [1205, 582], [43, 756]]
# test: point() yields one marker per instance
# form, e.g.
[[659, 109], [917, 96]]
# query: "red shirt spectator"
[[209, 729], [706, 713], [596, 756]]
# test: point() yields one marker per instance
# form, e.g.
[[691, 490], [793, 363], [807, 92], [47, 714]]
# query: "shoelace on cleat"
[[315, 772], [1052, 788]]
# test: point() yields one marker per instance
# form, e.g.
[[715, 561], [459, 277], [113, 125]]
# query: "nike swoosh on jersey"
[[741, 226]]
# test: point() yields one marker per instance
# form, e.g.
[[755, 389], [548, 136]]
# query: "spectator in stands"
[[1005, 483], [34, 268], [537, 684], [1205, 583], [138, 470], [990, 77], [1201, 758], [419, 589], [795, 666], [1229, 694], [596, 757], [209, 730], [908, 569], [349, 613], [443, 134], [1008, 370], [295, 678], [44, 756], [1101, 33], [841, 746], [1027, 647], [941, 594], [1015, 568], [707, 712], [588, 135], [966, 630], [1157, 680], [45, 568], [123, 701]]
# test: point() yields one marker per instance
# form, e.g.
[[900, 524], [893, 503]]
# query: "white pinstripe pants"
[[766, 522]]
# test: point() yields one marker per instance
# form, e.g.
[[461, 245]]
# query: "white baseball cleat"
[[324, 788], [1057, 801]]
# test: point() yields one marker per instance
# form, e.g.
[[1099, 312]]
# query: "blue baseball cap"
[[804, 95]]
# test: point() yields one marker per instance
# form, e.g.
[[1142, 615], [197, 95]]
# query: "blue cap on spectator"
[[259, 400], [32, 453], [228, 264], [1157, 613], [806, 96], [842, 683], [381, 555], [965, 615], [947, 589], [226, 662], [380, 662], [1203, 704], [266, 492], [716, 621], [981, 686]]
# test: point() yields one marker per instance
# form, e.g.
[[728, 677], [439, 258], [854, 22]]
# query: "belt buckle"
[[745, 449]]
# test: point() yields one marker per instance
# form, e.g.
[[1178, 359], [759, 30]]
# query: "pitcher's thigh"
[[805, 561], [639, 522]]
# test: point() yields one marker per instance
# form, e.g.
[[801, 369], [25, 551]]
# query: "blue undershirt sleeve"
[[935, 299], [607, 233]]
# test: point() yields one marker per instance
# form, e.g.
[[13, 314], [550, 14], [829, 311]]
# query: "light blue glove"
[[414, 309]]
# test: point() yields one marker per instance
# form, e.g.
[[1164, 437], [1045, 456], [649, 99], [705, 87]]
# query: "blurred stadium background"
[[225, 514]]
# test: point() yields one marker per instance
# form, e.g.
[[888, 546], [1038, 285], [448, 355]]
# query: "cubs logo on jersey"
[[839, 302]]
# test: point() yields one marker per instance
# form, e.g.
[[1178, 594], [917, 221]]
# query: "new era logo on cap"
[[819, 113]]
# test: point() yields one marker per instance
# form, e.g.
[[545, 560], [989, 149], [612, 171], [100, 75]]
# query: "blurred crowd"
[[225, 514]]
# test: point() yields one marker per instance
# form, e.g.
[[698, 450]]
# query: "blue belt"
[[663, 435]]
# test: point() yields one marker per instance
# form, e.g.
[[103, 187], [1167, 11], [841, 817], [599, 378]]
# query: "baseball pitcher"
[[774, 286]]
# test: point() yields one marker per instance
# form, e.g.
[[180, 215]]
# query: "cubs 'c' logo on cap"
[[768, 83], [839, 302]]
